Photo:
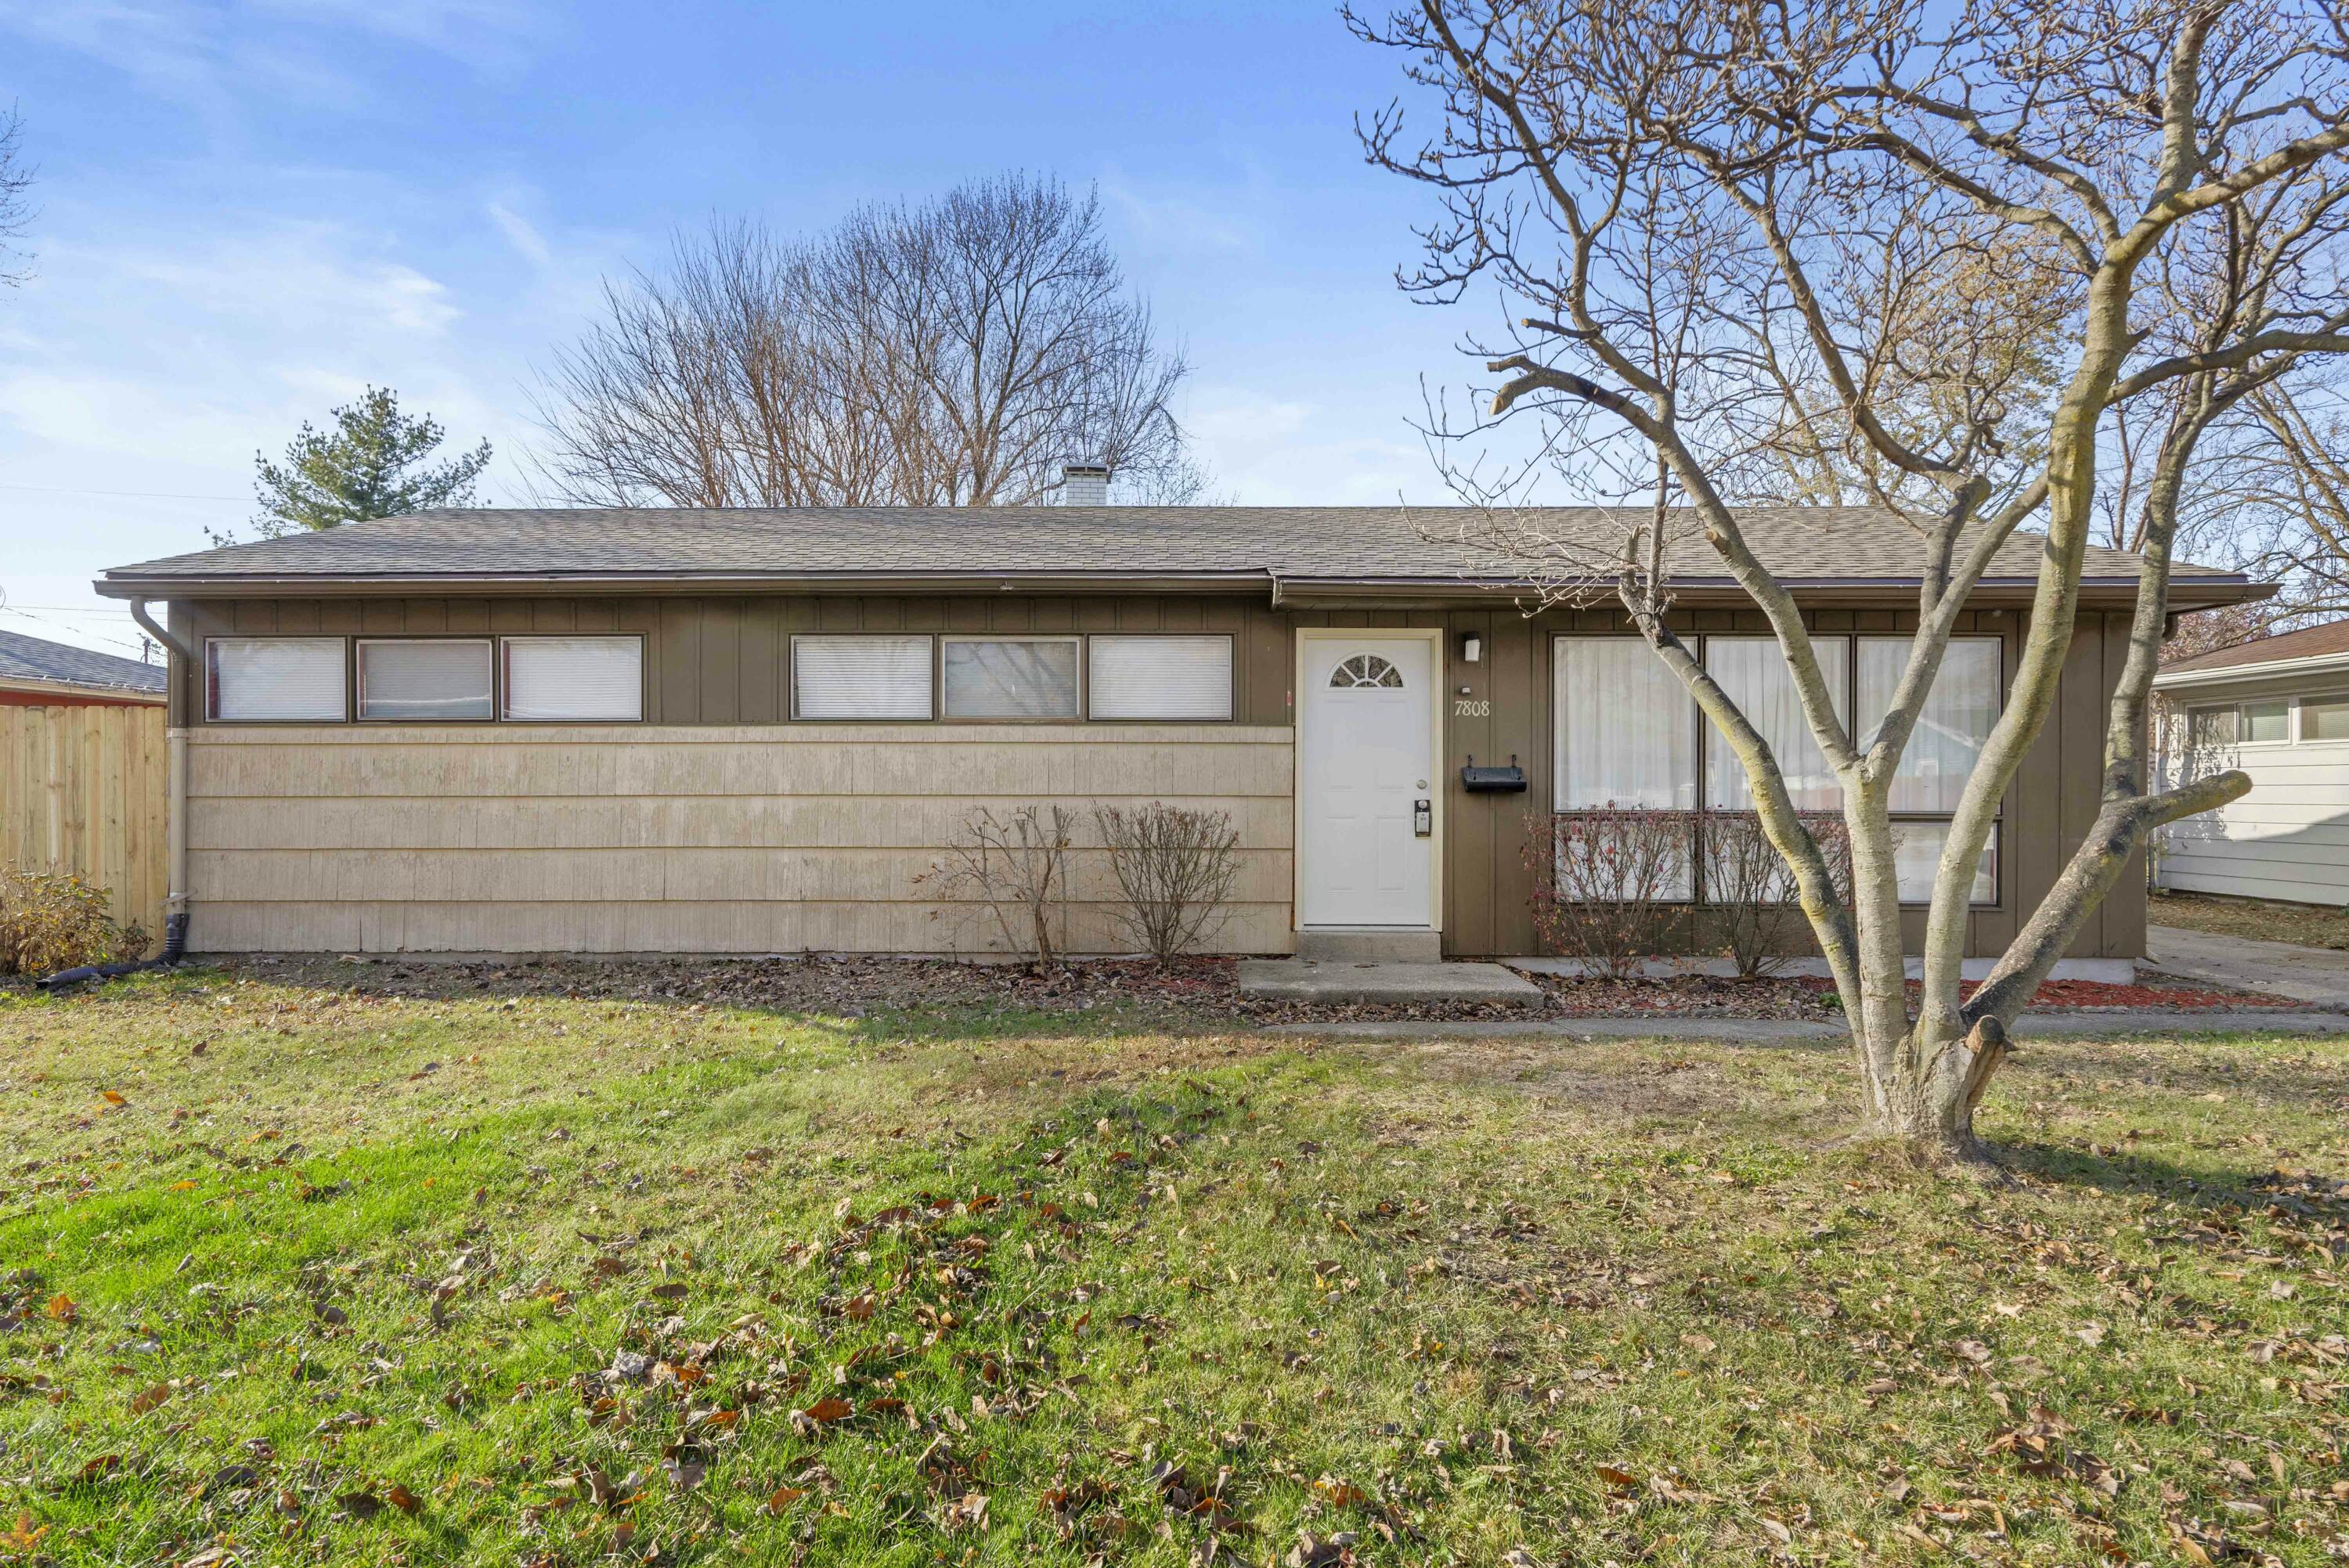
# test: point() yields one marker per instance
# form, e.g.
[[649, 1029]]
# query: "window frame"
[[2299, 707], [938, 678], [1085, 660], [2239, 707], [791, 673], [1706, 740], [208, 678], [497, 671], [500, 674]]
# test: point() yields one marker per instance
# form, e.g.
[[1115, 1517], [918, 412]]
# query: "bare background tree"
[[15, 212], [954, 353], [1922, 255]]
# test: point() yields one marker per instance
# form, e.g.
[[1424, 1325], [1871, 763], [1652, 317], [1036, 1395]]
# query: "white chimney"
[[1084, 484]]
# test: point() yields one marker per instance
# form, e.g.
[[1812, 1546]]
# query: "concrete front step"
[[1369, 944], [1309, 980]]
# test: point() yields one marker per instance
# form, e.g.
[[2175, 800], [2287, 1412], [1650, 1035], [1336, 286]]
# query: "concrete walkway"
[[2316, 974], [1761, 1031], [1306, 980]]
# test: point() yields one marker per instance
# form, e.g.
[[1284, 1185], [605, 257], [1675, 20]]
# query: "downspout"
[[175, 836]]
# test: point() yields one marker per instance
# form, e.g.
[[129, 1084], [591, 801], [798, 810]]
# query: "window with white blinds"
[[423, 679], [1010, 677], [861, 677], [578, 679], [1166, 677], [284, 679]]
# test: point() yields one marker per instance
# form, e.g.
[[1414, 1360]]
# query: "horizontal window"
[[2327, 720], [421, 679], [861, 677], [2238, 723], [1159, 677], [1010, 677], [2267, 721], [579, 680], [280, 679]]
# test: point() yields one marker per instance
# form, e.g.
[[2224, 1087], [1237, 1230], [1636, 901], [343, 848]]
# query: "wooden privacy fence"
[[85, 790]]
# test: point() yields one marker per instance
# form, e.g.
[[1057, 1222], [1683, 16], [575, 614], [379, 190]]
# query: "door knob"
[[1421, 785]]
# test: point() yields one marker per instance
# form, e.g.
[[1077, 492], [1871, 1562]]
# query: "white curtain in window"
[[424, 678], [1159, 677], [1752, 671], [1626, 727], [579, 679], [1956, 720], [274, 678], [1010, 677], [861, 677], [1917, 856]]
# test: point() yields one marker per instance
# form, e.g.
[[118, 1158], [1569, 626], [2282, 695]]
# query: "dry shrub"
[[1175, 867], [1752, 892], [1016, 870], [1607, 883], [49, 923]]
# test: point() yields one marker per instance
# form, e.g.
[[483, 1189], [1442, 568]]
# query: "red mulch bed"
[[1199, 994]]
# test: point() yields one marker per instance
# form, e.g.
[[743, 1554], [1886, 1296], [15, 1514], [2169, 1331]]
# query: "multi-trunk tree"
[[1921, 254]]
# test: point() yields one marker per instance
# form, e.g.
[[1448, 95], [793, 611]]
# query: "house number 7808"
[[1470, 707]]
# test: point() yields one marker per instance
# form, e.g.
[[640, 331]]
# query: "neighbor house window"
[[1755, 673], [2326, 718], [418, 679], [2238, 723], [579, 680], [274, 679], [1952, 730], [1167, 677], [1010, 677], [861, 677]]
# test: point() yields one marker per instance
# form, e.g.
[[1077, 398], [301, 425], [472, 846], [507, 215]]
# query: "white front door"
[[1366, 766]]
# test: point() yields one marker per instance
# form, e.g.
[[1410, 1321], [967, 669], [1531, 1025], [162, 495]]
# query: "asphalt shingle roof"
[[2308, 643], [38, 658], [1344, 543]]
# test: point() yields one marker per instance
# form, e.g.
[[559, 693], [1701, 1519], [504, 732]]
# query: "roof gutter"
[[2312, 663]]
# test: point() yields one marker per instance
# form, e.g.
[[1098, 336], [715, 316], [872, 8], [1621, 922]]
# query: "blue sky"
[[247, 211]]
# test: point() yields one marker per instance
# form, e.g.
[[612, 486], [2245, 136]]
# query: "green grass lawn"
[[294, 1275]]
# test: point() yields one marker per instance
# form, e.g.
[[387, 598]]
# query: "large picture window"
[[425, 679], [1010, 677], [1628, 735], [283, 680], [853, 677], [576, 680]]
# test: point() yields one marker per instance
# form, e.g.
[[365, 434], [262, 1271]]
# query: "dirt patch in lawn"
[[1198, 994]]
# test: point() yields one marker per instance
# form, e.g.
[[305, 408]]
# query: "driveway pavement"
[[2316, 974]]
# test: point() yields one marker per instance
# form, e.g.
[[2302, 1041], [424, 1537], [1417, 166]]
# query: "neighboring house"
[[37, 673], [2278, 708], [751, 731]]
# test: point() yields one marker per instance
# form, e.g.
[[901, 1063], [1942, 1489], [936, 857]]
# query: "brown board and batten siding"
[[720, 825]]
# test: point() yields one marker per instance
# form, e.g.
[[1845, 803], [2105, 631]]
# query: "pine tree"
[[371, 463]]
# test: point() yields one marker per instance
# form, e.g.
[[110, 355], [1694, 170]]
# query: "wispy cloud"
[[527, 242]]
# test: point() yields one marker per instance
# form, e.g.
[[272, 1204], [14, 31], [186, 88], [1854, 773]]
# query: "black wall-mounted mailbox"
[[1509, 780]]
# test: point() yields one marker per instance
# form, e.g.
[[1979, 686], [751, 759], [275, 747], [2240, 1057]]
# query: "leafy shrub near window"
[[1752, 893], [49, 923], [1607, 883], [1175, 867]]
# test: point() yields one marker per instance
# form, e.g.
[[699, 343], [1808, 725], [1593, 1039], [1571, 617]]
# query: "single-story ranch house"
[[751, 731], [2278, 708]]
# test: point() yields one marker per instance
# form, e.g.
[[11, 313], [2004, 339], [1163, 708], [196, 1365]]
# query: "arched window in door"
[[1365, 670]]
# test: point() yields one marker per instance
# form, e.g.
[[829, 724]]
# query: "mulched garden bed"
[[1199, 993]]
